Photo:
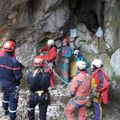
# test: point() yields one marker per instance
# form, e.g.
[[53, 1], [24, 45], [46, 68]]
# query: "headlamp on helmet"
[[81, 65]]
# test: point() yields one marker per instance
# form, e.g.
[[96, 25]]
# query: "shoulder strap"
[[85, 77]]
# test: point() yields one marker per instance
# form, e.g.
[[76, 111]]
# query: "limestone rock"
[[112, 23], [115, 61], [83, 35]]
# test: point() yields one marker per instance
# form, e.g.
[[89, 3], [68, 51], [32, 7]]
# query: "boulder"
[[115, 61]]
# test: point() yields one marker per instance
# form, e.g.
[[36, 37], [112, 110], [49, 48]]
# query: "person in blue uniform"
[[38, 83], [10, 75]]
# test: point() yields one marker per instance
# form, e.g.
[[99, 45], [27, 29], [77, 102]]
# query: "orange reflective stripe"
[[10, 68]]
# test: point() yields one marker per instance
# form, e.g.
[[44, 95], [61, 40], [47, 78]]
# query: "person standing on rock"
[[99, 86], [38, 83], [50, 58], [65, 55], [79, 91], [10, 75]]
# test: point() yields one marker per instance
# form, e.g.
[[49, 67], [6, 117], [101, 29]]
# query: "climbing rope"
[[55, 73]]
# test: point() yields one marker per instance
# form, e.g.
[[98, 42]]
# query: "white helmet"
[[97, 63], [76, 52], [50, 42], [81, 65]]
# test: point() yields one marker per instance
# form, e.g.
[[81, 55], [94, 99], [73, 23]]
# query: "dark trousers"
[[42, 101], [10, 99]]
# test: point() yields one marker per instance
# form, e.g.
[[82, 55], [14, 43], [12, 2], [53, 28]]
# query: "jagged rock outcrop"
[[115, 58], [32, 22], [112, 23], [112, 30]]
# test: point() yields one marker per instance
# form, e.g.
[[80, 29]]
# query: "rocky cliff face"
[[32, 22], [112, 34]]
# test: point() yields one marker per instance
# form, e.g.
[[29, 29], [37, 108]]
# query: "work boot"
[[6, 112]]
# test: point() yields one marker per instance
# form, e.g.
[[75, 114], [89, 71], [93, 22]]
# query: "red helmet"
[[9, 46], [66, 40], [38, 61]]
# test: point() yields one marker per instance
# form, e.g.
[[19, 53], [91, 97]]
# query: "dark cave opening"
[[89, 12]]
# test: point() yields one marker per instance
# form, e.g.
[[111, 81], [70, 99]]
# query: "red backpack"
[[104, 89]]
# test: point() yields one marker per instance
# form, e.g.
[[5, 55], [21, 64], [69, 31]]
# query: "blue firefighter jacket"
[[41, 81], [10, 71]]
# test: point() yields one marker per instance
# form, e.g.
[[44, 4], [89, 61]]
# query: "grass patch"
[[23, 84]]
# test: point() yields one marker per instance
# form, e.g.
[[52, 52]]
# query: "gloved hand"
[[89, 104], [97, 95], [94, 94]]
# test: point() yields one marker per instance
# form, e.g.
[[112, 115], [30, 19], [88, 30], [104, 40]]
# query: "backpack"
[[104, 89], [106, 83]]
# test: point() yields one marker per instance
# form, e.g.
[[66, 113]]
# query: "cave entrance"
[[89, 12]]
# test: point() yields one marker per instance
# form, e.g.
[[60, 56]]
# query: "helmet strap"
[[37, 70], [80, 70], [94, 68], [9, 53]]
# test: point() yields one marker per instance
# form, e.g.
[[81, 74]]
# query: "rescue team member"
[[38, 83], [79, 57], [99, 87], [2, 52], [10, 75], [50, 58], [65, 55], [79, 90]]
